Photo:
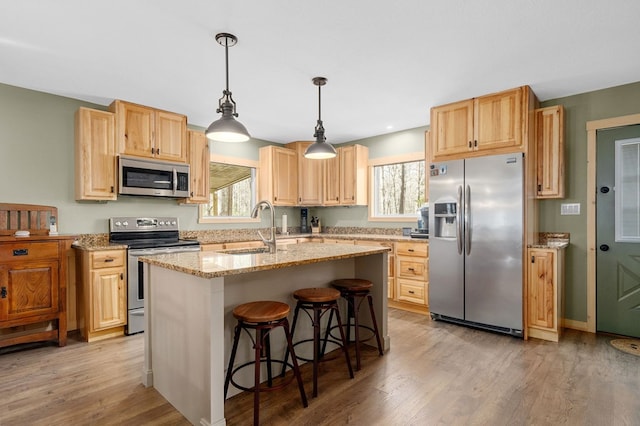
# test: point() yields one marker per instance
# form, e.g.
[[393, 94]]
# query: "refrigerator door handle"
[[459, 220], [467, 215]]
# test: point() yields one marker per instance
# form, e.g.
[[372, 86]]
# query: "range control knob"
[[118, 223], [125, 223], [174, 223]]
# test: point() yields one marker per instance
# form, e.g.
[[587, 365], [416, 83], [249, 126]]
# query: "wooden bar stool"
[[355, 291], [319, 301], [263, 317]]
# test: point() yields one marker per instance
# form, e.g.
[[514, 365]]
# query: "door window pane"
[[627, 190]]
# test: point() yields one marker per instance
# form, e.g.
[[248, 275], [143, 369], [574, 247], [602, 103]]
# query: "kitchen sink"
[[251, 250]]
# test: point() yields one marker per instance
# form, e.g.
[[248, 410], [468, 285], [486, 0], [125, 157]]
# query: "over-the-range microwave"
[[139, 176]]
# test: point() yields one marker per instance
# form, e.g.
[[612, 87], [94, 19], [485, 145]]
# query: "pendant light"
[[227, 128], [320, 149]]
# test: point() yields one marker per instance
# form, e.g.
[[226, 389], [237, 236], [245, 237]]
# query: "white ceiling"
[[387, 62]]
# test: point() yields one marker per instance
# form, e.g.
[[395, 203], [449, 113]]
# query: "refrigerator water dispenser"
[[445, 220]]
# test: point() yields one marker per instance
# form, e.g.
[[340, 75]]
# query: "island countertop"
[[218, 264]]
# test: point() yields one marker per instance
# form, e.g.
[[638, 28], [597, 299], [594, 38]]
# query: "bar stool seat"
[[320, 301], [263, 317], [355, 291]]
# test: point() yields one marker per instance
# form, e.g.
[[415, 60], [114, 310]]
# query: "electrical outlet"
[[570, 209]]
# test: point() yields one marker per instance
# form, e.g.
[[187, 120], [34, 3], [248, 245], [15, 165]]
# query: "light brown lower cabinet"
[[545, 295], [412, 272], [102, 293]]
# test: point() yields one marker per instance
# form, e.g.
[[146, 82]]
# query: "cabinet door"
[[171, 136], [542, 289], [549, 137], [353, 175], [452, 129], [285, 169], [309, 177], [109, 307], [95, 156], [134, 129], [199, 167], [31, 289], [331, 194], [498, 120]]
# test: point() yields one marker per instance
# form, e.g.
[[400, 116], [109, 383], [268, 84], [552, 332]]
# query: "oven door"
[[135, 283]]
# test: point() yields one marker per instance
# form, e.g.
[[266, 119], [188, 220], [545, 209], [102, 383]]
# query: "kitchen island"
[[189, 324]]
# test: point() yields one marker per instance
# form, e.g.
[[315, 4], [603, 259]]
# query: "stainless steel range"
[[144, 236]]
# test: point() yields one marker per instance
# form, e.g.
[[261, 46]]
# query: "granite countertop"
[[216, 264], [552, 240], [362, 237]]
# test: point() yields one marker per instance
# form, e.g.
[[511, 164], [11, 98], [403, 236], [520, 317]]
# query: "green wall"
[[37, 167], [606, 103]]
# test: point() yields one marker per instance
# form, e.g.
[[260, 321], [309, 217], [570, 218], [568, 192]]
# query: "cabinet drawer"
[[22, 251], [107, 259], [411, 291], [412, 249], [414, 268]]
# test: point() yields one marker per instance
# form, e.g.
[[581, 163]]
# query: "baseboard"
[[575, 325], [411, 307]]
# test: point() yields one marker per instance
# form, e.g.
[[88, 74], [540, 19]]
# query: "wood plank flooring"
[[435, 373]]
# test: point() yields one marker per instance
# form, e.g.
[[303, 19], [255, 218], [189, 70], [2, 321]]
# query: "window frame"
[[383, 161], [235, 161]]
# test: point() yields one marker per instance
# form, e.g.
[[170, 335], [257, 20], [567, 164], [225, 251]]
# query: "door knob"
[[604, 189], [604, 247]]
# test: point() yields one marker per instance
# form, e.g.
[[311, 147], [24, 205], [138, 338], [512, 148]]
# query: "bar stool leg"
[[354, 312], [236, 338], [316, 347], [375, 324], [267, 349], [293, 329], [256, 378], [294, 361], [342, 337]]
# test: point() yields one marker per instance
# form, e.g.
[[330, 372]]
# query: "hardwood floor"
[[435, 373]]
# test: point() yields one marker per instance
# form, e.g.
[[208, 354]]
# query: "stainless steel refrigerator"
[[476, 242]]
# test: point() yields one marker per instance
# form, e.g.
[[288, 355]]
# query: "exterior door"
[[617, 262]]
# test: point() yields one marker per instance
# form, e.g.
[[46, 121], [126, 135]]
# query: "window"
[[232, 192], [627, 193], [398, 187]]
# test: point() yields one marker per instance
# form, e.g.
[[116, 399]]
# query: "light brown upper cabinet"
[[198, 156], [549, 136], [353, 175], [309, 176], [331, 180], [147, 132], [490, 124], [278, 176], [95, 155], [345, 177]]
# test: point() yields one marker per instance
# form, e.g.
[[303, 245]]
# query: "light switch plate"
[[570, 209]]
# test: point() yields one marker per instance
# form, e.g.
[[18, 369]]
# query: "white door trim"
[[592, 128]]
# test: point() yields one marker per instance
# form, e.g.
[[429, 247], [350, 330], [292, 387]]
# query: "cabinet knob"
[[109, 259], [470, 145], [121, 276], [3, 293], [412, 292], [112, 189]]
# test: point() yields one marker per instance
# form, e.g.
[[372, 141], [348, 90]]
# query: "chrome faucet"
[[271, 242]]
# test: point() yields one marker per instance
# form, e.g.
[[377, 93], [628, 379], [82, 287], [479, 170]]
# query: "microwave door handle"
[[175, 180]]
